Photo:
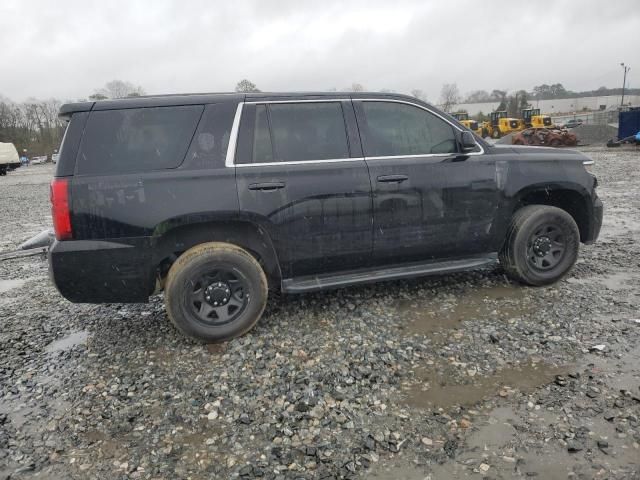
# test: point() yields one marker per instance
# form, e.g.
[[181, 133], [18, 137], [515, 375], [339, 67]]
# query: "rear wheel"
[[215, 292], [541, 246]]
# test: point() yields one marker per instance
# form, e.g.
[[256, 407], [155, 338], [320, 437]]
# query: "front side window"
[[137, 139], [399, 129], [299, 132]]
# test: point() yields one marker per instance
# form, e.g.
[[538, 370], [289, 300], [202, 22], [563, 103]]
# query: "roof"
[[203, 98]]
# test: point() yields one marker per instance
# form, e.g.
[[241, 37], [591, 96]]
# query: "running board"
[[355, 277]]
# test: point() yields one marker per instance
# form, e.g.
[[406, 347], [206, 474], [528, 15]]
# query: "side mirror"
[[468, 142]]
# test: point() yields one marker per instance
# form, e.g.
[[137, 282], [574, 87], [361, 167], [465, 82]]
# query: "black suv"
[[217, 198]]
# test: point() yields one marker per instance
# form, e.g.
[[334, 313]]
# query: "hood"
[[540, 153]]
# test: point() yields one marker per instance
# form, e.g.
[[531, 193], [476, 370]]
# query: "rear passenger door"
[[429, 201], [300, 174]]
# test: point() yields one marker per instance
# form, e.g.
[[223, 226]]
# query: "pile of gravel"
[[594, 134]]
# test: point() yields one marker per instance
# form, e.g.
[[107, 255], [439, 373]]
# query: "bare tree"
[[419, 94], [117, 89], [246, 86], [33, 125], [356, 87], [449, 96]]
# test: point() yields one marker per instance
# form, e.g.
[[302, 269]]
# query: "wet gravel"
[[457, 376]]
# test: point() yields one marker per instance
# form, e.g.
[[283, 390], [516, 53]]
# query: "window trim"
[[235, 130], [420, 155]]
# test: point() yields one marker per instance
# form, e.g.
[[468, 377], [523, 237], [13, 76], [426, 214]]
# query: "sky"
[[69, 49]]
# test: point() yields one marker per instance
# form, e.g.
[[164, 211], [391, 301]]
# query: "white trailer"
[[8, 158]]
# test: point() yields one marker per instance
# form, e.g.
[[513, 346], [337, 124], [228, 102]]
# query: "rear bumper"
[[94, 271], [596, 222]]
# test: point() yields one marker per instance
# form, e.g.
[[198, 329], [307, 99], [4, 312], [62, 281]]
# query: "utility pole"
[[624, 81]]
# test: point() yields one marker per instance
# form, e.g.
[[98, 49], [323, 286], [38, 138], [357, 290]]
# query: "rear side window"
[[137, 139], [399, 129], [209, 146], [301, 131]]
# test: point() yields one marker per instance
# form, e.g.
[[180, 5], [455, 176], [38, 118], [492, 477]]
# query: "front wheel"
[[541, 246], [215, 292], [495, 134]]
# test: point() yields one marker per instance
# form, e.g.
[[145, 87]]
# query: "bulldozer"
[[532, 119], [500, 124], [473, 125]]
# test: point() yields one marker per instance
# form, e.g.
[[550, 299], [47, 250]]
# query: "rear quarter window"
[[136, 139]]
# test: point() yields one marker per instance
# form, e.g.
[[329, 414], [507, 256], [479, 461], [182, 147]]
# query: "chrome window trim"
[[391, 100], [311, 100], [301, 162], [233, 137], [235, 131]]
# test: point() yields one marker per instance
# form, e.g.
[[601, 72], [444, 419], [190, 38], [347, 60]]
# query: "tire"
[[523, 255], [218, 272], [495, 134]]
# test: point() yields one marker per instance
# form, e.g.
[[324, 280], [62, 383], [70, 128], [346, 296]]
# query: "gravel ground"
[[457, 376]]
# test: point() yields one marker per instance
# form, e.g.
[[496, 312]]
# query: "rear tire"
[[215, 292], [541, 246]]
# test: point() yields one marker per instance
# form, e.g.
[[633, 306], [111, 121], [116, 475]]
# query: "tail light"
[[60, 208]]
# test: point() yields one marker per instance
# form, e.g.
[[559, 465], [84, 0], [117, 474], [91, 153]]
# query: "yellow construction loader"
[[500, 124], [473, 125], [532, 118]]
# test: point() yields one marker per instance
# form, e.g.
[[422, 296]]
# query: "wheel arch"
[[571, 198], [245, 234]]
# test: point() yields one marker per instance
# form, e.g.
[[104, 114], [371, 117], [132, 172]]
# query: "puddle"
[[439, 392], [68, 342], [396, 471], [6, 285], [613, 281], [498, 430], [499, 302]]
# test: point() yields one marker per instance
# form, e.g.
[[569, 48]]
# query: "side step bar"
[[355, 277]]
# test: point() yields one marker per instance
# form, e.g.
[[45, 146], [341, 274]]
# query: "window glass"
[[401, 129], [262, 148], [137, 139], [209, 145], [308, 131]]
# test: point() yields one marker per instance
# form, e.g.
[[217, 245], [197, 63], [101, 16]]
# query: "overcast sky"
[[67, 49]]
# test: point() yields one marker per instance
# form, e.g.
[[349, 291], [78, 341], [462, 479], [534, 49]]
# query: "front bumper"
[[94, 271], [596, 222]]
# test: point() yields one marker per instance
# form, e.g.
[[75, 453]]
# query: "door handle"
[[266, 186], [392, 178]]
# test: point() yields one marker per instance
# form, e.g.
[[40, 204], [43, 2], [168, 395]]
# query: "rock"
[[574, 447], [426, 441], [212, 415], [464, 423]]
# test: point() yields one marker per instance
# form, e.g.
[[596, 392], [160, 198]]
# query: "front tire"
[[215, 292], [541, 246]]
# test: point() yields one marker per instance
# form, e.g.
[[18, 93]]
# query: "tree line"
[[546, 92]]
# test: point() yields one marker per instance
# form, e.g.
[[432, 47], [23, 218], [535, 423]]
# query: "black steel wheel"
[[215, 292], [219, 296], [541, 246], [546, 247]]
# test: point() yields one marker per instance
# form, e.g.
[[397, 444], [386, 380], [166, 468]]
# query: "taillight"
[[60, 208]]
